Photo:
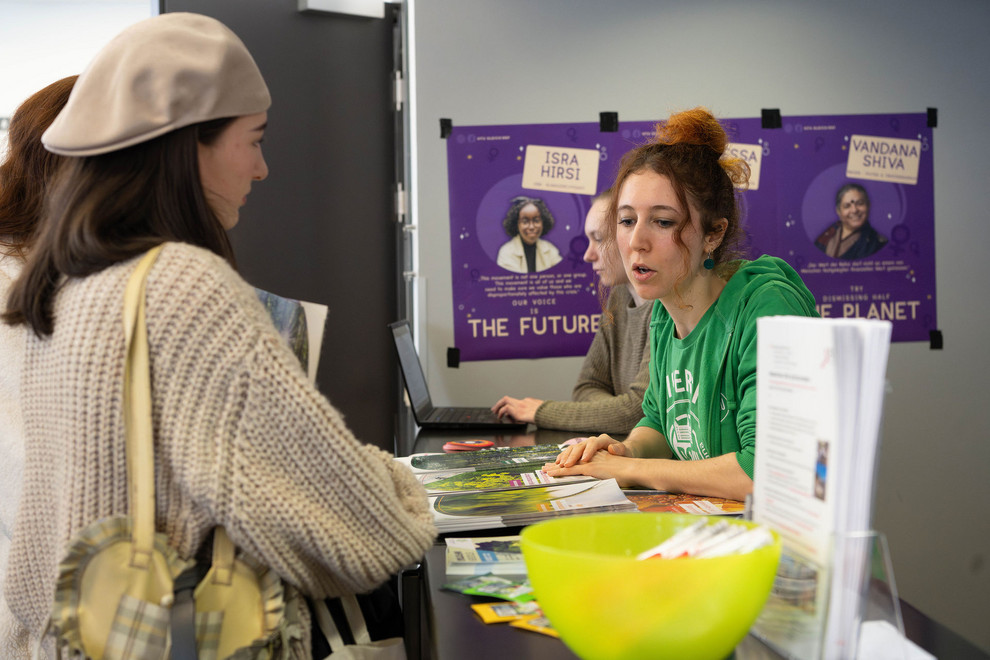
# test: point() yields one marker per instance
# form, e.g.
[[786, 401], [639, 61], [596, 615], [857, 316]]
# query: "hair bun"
[[697, 126]]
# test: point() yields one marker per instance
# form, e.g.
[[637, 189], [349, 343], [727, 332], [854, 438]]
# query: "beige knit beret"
[[158, 75]]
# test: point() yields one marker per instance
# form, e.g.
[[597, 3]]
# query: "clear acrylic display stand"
[[835, 612]]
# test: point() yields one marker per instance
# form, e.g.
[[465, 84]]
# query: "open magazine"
[[523, 475], [658, 501], [511, 508], [482, 459]]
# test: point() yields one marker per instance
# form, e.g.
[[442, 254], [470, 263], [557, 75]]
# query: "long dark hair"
[[29, 167], [105, 209]]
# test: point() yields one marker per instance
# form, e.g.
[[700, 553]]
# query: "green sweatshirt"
[[702, 392]]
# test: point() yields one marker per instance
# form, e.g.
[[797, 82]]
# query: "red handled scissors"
[[467, 445]]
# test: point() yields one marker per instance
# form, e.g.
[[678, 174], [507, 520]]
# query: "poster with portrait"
[[846, 200], [855, 215], [513, 190]]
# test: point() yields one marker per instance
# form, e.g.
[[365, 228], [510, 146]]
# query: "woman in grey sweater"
[[608, 395]]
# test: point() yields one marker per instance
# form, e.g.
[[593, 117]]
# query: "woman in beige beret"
[[162, 136]]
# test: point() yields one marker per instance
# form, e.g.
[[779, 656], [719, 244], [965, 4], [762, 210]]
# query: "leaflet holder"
[[816, 613]]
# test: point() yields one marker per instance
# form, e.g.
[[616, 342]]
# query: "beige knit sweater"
[[242, 440], [608, 396]]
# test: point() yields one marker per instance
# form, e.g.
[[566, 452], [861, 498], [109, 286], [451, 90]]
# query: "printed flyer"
[[846, 200]]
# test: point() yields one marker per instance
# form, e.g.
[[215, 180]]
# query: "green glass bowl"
[[606, 604]]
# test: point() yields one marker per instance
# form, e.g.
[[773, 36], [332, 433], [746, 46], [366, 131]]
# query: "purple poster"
[[511, 186], [846, 200], [855, 215]]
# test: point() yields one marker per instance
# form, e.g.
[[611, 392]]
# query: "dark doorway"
[[322, 227]]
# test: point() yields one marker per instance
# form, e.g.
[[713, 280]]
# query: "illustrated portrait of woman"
[[851, 236], [526, 222]]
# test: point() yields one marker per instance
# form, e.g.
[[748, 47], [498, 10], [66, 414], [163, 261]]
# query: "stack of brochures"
[[505, 487], [820, 389]]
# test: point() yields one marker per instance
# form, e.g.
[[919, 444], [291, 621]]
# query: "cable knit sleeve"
[[248, 443]]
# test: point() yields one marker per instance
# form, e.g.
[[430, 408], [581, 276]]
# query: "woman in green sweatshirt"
[[677, 228]]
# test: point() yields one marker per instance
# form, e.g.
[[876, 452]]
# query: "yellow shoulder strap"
[[137, 414]]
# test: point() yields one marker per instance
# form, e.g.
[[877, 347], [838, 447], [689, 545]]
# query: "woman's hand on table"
[[601, 457], [584, 451]]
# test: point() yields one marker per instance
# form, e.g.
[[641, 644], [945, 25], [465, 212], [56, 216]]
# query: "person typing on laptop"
[[608, 395]]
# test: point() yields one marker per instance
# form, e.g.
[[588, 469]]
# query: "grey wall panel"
[[483, 62]]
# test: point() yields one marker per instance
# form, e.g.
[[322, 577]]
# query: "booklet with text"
[[500, 555], [301, 324], [820, 389]]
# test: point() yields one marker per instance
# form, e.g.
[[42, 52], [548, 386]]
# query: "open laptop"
[[427, 415]]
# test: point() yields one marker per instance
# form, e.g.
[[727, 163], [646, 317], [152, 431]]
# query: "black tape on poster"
[[453, 357], [608, 122], [446, 126], [935, 337], [932, 117], [770, 118]]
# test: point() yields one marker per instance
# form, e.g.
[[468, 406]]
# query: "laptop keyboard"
[[463, 415]]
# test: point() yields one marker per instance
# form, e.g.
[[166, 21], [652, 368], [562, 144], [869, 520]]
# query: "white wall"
[[484, 62], [42, 41]]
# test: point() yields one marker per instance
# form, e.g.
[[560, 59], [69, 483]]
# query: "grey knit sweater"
[[242, 440], [608, 396]]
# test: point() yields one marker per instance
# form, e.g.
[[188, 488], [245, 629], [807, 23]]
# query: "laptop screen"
[[412, 370]]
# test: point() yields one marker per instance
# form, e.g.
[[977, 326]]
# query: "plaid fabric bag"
[[123, 593]]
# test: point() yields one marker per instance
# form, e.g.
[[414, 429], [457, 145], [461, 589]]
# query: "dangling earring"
[[709, 262]]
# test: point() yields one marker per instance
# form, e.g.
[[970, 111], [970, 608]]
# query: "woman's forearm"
[[716, 477], [644, 442]]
